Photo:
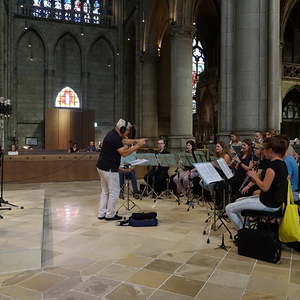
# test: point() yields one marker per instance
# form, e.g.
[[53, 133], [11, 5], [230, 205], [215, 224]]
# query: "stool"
[[261, 215]]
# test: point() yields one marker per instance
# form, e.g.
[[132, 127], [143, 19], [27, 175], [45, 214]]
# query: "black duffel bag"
[[141, 220], [259, 243]]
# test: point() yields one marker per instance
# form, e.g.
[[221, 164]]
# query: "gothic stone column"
[[250, 69], [149, 121], [227, 43], [181, 86]]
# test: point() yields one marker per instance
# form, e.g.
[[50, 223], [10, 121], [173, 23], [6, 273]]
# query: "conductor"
[[114, 146]]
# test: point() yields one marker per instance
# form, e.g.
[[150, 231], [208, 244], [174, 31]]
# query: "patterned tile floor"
[[84, 258]]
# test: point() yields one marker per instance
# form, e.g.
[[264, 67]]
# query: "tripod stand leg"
[[223, 246]]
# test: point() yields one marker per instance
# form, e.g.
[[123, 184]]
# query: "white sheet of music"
[[138, 162], [224, 167], [208, 173]]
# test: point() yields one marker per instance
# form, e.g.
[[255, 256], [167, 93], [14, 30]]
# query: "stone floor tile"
[[129, 292], [163, 266], [134, 261], [97, 286], [118, 272], [17, 292], [148, 278], [183, 286], [163, 295], [229, 279], [231, 265], [219, 292], [249, 295], [42, 281], [195, 272]]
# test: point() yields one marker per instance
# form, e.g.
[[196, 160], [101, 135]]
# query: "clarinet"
[[255, 168]]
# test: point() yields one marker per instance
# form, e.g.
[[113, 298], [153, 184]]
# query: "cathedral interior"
[[177, 70]]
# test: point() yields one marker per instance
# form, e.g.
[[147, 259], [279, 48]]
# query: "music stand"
[[210, 176], [187, 160], [168, 160], [149, 160], [128, 203]]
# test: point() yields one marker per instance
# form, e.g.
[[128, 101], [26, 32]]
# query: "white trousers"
[[110, 191], [234, 210]]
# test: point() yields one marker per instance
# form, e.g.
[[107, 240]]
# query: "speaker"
[[123, 128]]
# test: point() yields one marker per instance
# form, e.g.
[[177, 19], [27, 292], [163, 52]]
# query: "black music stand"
[[128, 203], [211, 176], [168, 160], [2, 201], [151, 160]]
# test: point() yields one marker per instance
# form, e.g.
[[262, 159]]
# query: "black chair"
[[260, 216]]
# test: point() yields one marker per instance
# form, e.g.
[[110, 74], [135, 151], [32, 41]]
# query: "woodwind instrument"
[[246, 180]]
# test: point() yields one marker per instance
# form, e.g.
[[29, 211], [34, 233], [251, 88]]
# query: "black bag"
[[144, 216], [260, 244], [141, 220]]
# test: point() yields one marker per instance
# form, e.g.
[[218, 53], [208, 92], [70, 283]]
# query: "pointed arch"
[[39, 34], [67, 65]]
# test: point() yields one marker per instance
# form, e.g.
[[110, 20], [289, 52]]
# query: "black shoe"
[[101, 218], [114, 218]]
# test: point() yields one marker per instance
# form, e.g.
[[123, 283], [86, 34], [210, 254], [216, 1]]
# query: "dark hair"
[[249, 143], [285, 139], [233, 133], [191, 142], [277, 145], [224, 146]]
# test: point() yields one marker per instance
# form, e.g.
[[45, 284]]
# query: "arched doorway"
[[290, 125]]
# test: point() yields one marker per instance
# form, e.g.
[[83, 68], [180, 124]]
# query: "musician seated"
[[242, 164], [221, 151], [260, 164], [157, 176], [234, 142], [185, 174], [273, 187], [125, 170]]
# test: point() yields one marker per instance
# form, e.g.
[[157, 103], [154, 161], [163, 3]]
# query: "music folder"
[[208, 173], [224, 167]]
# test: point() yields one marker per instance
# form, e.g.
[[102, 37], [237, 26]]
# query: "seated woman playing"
[[273, 187], [242, 164], [260, 165], [184, 175]]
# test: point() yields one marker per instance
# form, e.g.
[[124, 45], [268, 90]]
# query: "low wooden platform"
[[47, 167]]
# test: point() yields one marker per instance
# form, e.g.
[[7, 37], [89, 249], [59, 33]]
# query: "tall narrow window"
[[198, 67], [67, 98]]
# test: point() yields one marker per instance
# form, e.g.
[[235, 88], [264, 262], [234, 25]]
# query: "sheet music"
[[138, 162], [224, 167], [150, 158], [208, 173]]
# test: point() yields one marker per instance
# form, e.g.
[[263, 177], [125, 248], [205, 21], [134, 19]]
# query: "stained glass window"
[[87, 11], [47, 3], [67, 98], [198, 67], [291, 111]]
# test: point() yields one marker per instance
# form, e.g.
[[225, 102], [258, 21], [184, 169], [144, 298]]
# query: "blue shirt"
[[128, 159], [293, 171]]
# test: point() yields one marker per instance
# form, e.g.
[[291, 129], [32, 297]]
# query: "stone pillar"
[[250, 69], [227, 42], [274, 84], [181, 127], [148, 105]]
